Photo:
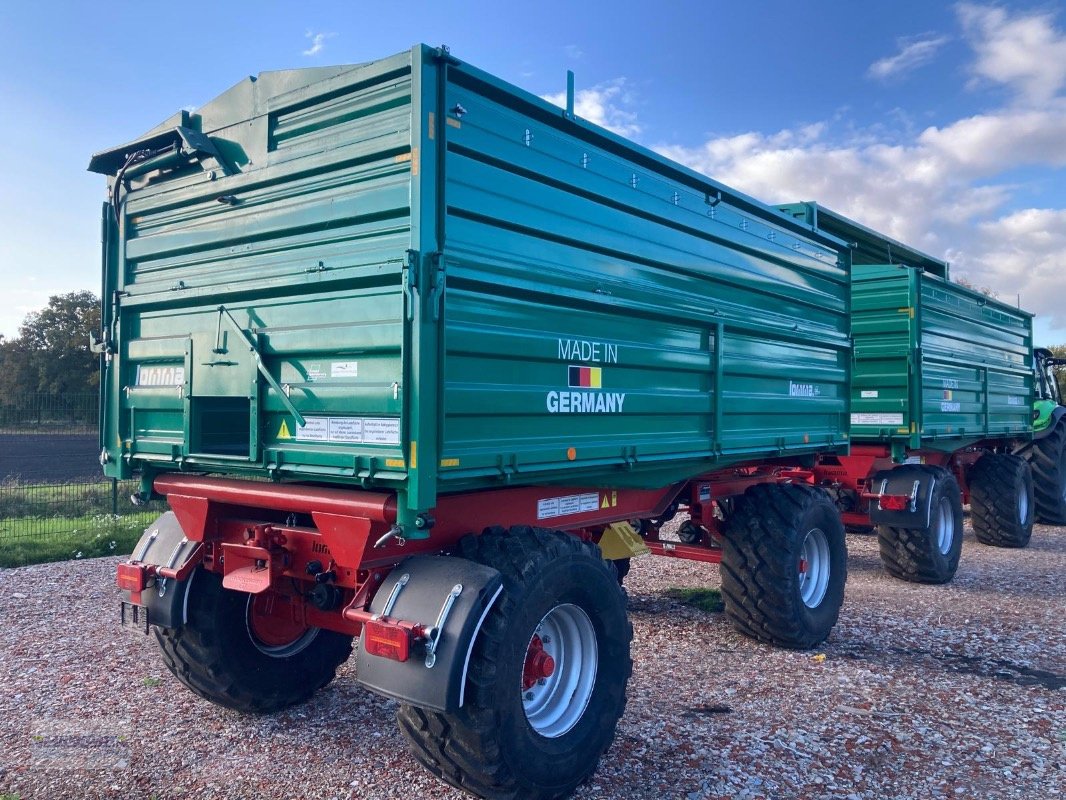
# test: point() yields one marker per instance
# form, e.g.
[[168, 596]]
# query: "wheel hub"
[[559, 670], [945, 526], [814, 567], [273, 626], [539, 664]]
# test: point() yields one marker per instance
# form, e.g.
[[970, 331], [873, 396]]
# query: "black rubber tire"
[[214, 655], [622, 567], [761, 586], [1047, 458], [998, 481], [488, 747], [912, 554]]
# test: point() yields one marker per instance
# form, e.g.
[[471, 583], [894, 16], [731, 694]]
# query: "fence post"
[[114, 497]]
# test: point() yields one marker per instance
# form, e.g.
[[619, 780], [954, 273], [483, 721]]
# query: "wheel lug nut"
[[529, 695], [546, 639]]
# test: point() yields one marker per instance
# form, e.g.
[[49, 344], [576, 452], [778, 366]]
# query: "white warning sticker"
[[344, 369], [869, 394], [877, 419], [347, 430], [381, 430], [564, 506], [950, 408], [315, 429]]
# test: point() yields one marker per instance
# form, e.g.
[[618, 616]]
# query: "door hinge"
[[436, 299], [409, 281]]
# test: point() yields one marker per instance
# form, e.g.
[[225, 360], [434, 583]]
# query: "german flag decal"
[[586, 377]]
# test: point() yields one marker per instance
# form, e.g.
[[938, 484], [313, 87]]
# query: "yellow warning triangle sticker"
[[606, 503], [283, 431]]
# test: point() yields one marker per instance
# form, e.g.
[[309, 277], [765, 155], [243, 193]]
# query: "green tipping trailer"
[[942, 399], [354, 314]]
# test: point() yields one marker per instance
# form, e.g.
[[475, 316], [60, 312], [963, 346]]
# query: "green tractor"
[[1046, 454]]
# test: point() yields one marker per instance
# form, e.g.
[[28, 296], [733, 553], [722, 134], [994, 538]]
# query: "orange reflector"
[[130, 577], [386, 640]]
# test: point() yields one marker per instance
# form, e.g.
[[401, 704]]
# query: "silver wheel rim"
[[814, 567], [557, 702], [281, 650], [945, 526], [1023, 504]]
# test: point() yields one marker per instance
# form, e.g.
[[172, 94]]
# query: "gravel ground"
[[952, 691]]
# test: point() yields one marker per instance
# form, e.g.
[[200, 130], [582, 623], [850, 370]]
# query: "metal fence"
[[74, 413], [55, 503], [57, 521]]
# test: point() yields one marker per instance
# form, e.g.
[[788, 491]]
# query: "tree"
[[51, 353], [987, 291]]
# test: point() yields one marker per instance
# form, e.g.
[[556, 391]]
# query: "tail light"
[[387, 640], [130, 577]]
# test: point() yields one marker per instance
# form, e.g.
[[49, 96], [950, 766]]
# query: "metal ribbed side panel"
[[936, 362], [302, 249], [605, 318]]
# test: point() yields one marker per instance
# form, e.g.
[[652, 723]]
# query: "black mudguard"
[[164, 544], [901, 480], [429, 581]]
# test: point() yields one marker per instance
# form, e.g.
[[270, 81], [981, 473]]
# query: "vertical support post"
[[719, 337], [114, 497], [570, 93], [987, 400]]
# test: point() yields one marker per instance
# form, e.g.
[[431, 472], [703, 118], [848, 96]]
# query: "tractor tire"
[[1001, 500], [930, 554], [523, 733], [622, 567], [218, 654], [784, 565], [1047, 458]]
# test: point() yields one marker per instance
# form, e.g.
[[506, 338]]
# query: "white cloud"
[[318, 42], [937, 192], [947, 189], [1025, 52], [914, 52], [1023, 252], [610, 105], [573, 51]]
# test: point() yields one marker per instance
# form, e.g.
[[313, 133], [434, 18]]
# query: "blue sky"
[[943, 124]]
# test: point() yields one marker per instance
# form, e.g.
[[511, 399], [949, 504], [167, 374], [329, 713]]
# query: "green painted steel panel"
[[454, 285], [937, 364]]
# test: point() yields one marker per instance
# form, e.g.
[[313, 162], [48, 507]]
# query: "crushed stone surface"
[[955, 691]]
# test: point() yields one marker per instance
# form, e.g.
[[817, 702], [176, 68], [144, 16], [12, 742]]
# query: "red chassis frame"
[[852, 474], [279, 541]]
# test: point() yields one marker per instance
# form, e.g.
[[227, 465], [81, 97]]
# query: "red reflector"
[[895, 502], [386, 640], [130, 577]]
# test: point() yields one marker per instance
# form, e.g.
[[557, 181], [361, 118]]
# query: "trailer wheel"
[[234, 653], [1001, 500], [547, 677], [929, 554], [1047, 457], [784, 565]]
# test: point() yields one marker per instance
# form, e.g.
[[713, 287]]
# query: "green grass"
[[32, 540], [709, 600], [63, 499]]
